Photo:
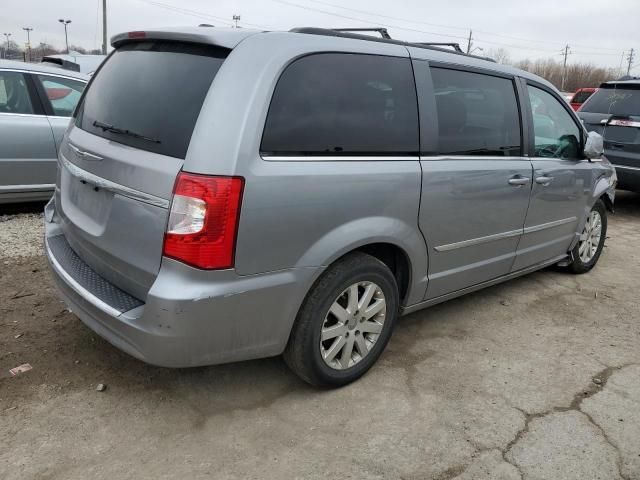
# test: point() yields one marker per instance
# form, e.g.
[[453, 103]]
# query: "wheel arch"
[[400, 246]]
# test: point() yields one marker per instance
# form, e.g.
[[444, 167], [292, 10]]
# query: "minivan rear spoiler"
[[220, 37]]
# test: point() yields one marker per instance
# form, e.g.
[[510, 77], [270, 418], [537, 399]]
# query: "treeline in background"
[[13, 51], [578, 75]]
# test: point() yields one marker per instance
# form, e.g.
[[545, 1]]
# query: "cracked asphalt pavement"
[[538, 378]]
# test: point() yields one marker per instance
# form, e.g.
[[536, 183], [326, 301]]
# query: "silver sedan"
[[36, 103]]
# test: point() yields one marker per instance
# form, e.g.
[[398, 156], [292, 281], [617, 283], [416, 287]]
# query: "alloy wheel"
[[590, 238], [352, 325]]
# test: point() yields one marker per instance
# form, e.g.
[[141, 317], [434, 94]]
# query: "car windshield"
[[615, 101]]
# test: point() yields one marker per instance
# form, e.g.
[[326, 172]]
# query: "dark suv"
[[614, 112]]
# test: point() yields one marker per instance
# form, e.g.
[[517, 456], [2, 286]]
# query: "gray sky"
[[597, 30]]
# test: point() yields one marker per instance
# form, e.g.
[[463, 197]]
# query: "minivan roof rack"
[[455, 46], [347, 33], [382, 31]]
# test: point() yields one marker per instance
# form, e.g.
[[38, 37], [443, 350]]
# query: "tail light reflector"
[[203, 220]]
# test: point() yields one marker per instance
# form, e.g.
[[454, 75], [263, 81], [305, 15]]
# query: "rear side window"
[[581, 97], [148, 95], [616, 101], [14, 95], [343, 104], [477, 114], [62, 93]]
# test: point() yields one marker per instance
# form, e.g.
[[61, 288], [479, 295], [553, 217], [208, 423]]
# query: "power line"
[[630, 57], [200, 14], [313, 9], [369, 22], [417, 22]]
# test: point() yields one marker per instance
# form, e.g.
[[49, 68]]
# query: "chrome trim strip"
[[478, 241], [79, 289], [471, 157], [112, 186], [37, 115], [84, 154], [40, 72], [38, 187], [625, 167], [336, 158], [503, 235], [544, 226]]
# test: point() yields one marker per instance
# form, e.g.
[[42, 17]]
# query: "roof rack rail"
[[382, 31], [455, 46], [348, 33]]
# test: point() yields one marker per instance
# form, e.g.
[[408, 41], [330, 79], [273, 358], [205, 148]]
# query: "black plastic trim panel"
[[88, 279]]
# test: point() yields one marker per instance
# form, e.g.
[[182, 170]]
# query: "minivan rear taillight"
[[203, 220]]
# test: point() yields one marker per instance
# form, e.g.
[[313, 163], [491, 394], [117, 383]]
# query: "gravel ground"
[[21, 231], [538, 378]]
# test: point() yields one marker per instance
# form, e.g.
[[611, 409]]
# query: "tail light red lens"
[[203, 220]]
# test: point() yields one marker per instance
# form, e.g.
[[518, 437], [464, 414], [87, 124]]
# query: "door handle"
[[544, 180], [518, 181]]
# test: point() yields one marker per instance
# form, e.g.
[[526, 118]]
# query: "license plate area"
[[85, 204]]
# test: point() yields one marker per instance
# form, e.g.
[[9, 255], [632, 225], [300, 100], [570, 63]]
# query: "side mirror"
[[594, 146]]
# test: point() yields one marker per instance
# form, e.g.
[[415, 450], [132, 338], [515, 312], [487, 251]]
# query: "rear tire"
[[589, 248], [344, 323]]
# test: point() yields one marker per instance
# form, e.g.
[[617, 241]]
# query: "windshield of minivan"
[[616, 101], [149, 95]]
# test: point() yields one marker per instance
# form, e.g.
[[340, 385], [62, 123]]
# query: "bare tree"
[[500, 55], [78, 49], [12, 51], [578, 74]]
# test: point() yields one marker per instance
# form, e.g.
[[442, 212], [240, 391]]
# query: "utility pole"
[[630, 57], [566, 51], [66, 38], [28, 30], [104, 27], [621, 62], [470, 42], [236, 18]]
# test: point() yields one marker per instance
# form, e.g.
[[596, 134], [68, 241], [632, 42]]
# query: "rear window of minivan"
[[148, 95]]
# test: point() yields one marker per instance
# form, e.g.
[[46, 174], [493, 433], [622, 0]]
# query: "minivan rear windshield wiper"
[[122, 131]]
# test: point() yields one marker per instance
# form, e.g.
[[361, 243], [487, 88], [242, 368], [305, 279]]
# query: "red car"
[[581, 96]]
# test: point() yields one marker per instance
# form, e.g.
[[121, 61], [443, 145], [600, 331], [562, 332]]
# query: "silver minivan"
[[224, 195], [36, 102]]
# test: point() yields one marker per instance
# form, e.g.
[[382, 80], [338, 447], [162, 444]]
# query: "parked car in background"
[[75, 61], [581, 96], [357, 180], [36, 103], [614, 112], [567, 96]]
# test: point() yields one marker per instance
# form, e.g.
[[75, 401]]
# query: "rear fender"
[[365, 231]]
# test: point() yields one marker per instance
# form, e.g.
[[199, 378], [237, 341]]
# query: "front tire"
[[344, 323], [589, 247]]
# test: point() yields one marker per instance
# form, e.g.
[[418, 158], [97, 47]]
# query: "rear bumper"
[[628, 177], [190, 317]]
